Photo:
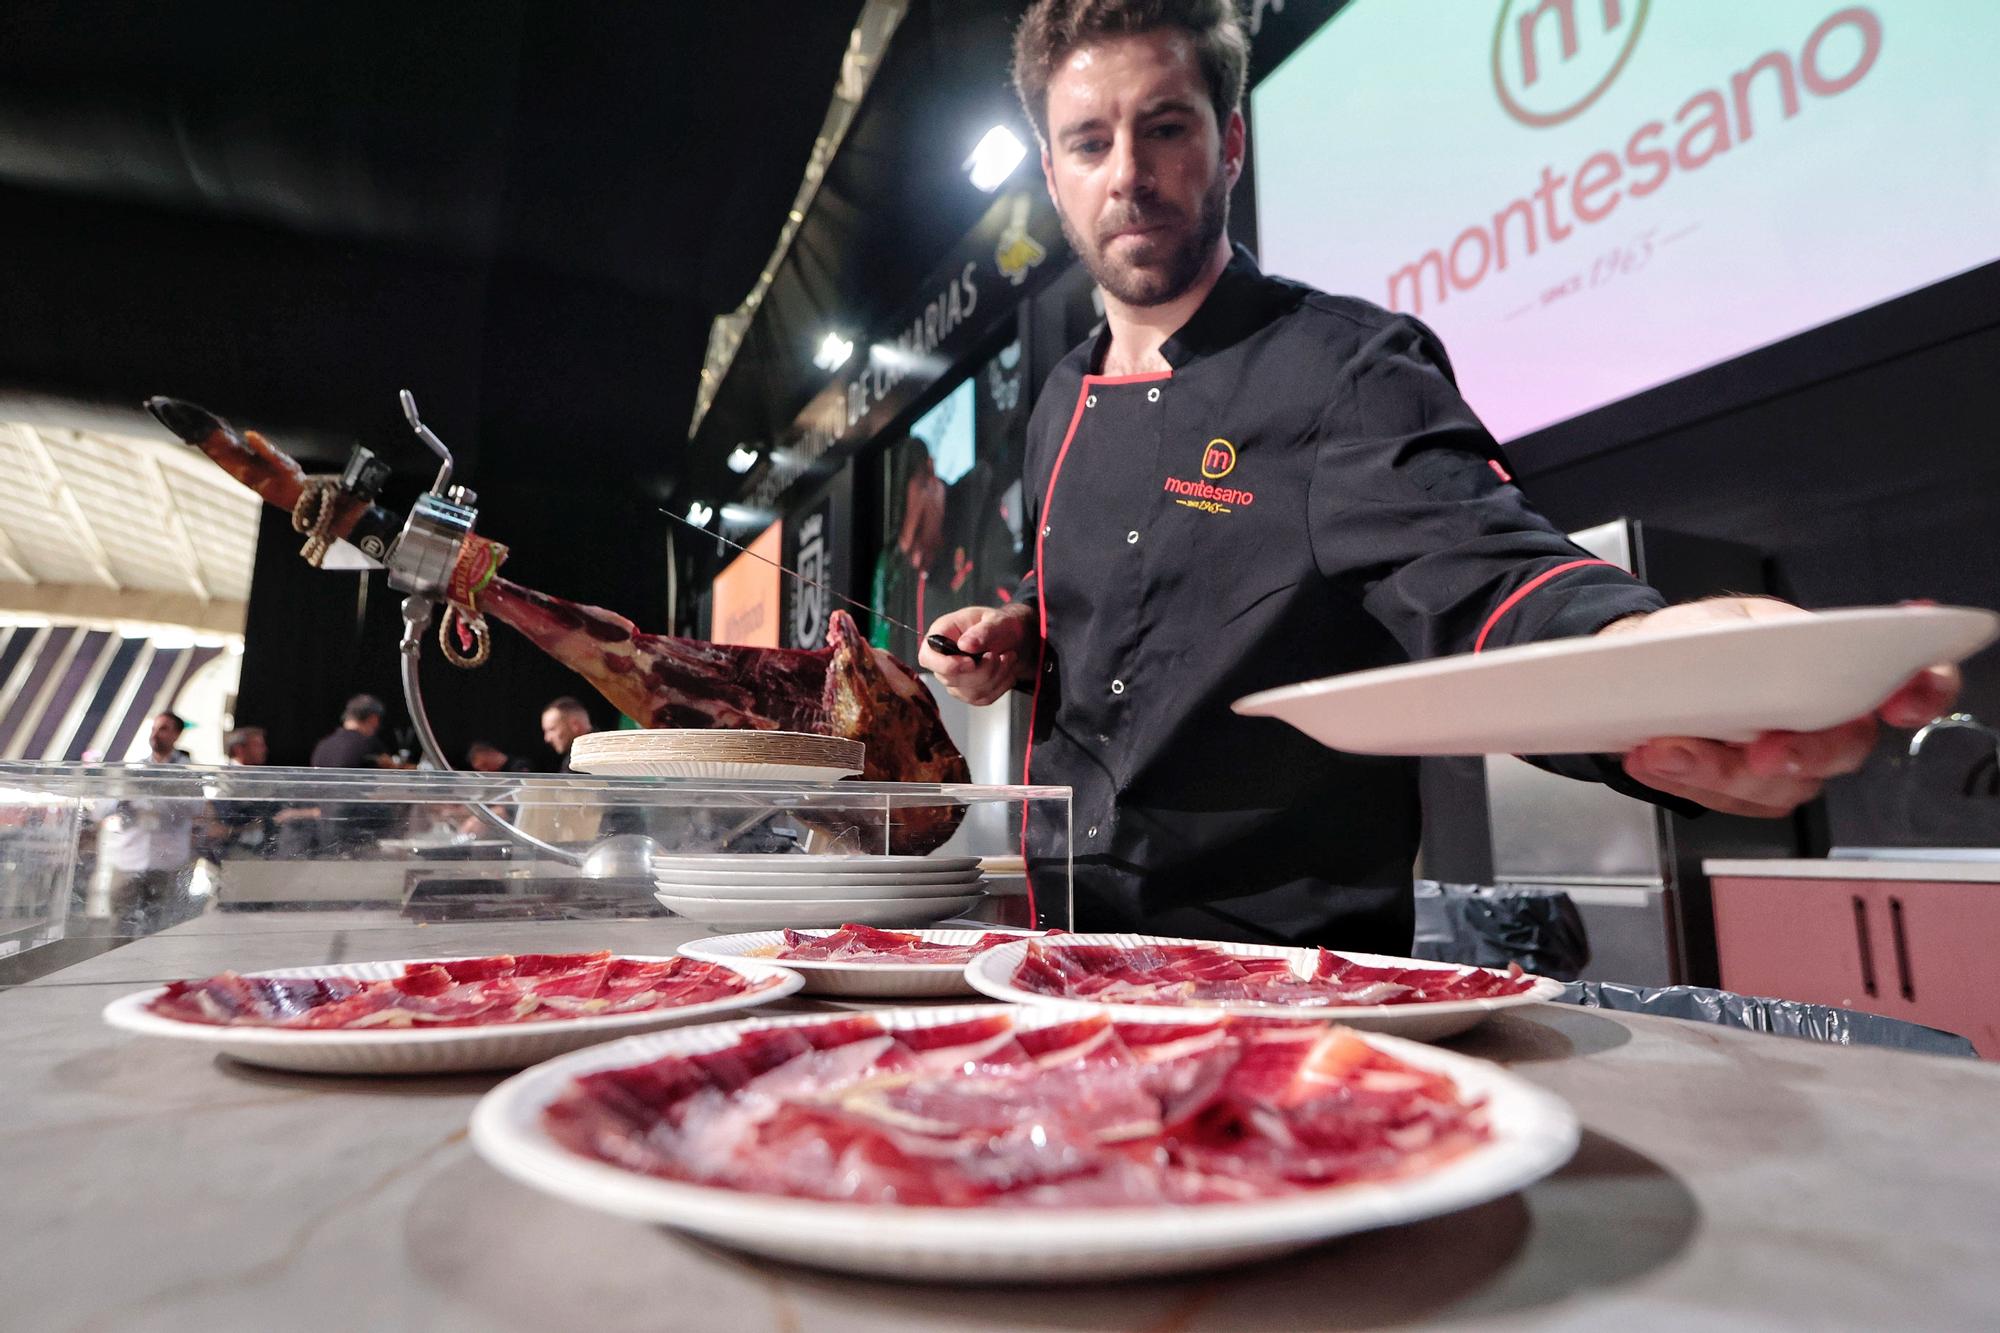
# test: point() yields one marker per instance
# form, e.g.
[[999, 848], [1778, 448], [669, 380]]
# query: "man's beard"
[[1165, 279]]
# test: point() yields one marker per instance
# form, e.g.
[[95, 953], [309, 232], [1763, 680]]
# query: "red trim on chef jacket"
[[1145, 377], [1042, 598], [1523, 591]]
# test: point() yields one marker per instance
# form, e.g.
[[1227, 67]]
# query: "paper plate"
[[1533, 1133], [430, 1050], [778, 891], [991, 973], [887, 981], [778, 756], [728, 770], [830, 878], [808, 913], [1727, 682], [873, 867]]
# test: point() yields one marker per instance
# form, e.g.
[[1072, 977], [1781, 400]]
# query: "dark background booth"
[[532, 215]]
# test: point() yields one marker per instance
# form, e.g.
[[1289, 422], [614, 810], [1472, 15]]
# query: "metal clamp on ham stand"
[[422, 562]]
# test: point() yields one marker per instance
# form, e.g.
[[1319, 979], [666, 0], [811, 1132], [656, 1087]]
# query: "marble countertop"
[[1726, 1180]]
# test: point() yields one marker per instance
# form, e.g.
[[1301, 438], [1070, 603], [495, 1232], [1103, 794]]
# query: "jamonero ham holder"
[[450, 573]]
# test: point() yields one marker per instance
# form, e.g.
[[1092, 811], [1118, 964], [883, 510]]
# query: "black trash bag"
[[1482, 926], [1786, 1018]]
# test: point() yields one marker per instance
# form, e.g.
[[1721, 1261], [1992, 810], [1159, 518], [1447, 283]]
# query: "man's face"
[[491, 761], [254, 750], [560, 728], [164, 734], [1137, 166]]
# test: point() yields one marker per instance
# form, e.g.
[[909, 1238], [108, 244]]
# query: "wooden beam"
[[86, 536], [87, 603], [177, 525], [10, 559]]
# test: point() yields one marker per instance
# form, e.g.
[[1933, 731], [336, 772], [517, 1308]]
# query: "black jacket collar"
[[1242, 301]]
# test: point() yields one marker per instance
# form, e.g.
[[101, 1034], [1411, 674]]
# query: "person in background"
[[486, 757], [563, 720], [251, 828], [164, 738], [247, 747], [357, 742], [145, 847]]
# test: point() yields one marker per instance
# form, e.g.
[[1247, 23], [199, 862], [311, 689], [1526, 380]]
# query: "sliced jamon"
[[542, 964], [478, 969], [868, 944], [456, 992], [1196, 974], [1101, 1114], [252, 1001], [575, 990]]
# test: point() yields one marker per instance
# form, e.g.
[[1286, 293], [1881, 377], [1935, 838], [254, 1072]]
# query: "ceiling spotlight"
[[741, 459], [833, 353], [994, 160], [744, 516], [699, 514]]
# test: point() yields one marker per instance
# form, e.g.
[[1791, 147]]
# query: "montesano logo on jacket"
[[1218, 460]]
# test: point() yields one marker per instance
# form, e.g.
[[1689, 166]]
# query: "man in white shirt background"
[[145, 847]]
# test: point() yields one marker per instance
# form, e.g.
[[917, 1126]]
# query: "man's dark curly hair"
[[1052, 29]]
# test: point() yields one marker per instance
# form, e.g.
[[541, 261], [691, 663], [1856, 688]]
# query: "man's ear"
[[1235, 135], [1049, 177]]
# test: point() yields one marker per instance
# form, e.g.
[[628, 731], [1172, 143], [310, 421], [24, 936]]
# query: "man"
[[163, 739], [562, 722], [247, 747], [253, 828], [1365, 518], [145, 847], [356, 742]]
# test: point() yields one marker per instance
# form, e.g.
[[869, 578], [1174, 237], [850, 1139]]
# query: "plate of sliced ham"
[[862, 960], [432, 1015], [1005, 1143], [1410, 997]]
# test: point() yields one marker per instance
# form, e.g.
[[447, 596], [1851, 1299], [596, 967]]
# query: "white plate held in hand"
[[1606, 695]]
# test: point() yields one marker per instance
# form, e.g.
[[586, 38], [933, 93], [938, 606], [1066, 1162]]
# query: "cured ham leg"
[[848, 689]]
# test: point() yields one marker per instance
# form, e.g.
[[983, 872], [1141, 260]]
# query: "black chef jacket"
[[1304, 493]]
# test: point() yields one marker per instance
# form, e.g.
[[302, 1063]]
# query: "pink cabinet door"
[[1938, 951], [1818, 940]]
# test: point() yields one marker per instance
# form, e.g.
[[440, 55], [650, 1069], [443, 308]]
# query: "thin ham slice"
[[1199, 974], [459, 992], [870, 945], [1089, 1113]]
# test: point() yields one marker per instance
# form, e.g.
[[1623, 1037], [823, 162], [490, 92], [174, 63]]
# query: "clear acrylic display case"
[[95, 855]]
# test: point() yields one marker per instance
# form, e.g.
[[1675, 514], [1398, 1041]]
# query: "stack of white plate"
[[791, 756], [770, 891]]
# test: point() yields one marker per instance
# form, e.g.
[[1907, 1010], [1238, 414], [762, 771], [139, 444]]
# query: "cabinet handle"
[[1903, 978], [1861, 939]]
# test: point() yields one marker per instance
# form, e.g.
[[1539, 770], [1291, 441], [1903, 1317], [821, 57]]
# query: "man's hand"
[[1779, 771], [1007, 636]]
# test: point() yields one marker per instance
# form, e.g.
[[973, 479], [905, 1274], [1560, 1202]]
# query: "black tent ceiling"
[[894, 202], [526, 212]]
